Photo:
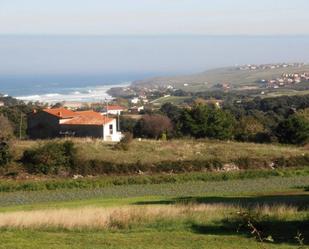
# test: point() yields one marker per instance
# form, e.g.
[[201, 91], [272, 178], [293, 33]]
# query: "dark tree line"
[[283, 119]]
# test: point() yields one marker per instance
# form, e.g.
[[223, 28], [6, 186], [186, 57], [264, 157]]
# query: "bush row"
[[97, 167], [60, 158], [106, 181]]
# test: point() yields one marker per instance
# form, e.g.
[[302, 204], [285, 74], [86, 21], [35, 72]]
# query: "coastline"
[[90, 94]]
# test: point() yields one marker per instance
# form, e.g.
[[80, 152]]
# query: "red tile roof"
[[60, 112], [88, 120], [79, 118]]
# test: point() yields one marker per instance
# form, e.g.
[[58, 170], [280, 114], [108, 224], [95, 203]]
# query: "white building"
[[114, 110], [61, 122], [135, 100], [110, 132]]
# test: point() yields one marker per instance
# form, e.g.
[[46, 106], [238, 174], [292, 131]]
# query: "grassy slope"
[[172, 234], [151, 151], [223, 75], [285, 92], [182, 234], [172, 99]]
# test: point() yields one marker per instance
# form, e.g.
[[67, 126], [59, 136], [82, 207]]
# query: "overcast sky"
[[156, 36], [101, 17]]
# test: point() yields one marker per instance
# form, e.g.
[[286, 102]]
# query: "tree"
[[202, 121], [5, 153], [174, 113], [6, 129], [294, 130], [248, 128], [153, 126], [304, 113], [127, 124]]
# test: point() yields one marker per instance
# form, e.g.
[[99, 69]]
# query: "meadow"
[[234, 207], [193, 214], [148, 152]]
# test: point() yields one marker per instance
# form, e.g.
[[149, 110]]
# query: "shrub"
[[294, 130], [202, 121], [5, 153], [6, 129], [125, 142], [50, 158], [127, 124], [153, 126]]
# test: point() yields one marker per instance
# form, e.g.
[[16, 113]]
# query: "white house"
[[114, 109], [136, 108], [59, 122], [135, 100], [110, 132]]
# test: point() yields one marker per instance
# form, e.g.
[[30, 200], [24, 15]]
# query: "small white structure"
[[114, 109], [110, 132], [136, 108], [135, 100]]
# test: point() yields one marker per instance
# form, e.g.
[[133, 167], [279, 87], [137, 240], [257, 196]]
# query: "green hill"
[[205, 80]]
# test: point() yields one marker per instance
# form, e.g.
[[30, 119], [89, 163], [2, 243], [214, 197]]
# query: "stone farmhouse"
[[61, 122]]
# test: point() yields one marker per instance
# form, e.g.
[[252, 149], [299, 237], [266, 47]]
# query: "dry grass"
[[278, 212], [151, 151], [104, 218], [124, 217]]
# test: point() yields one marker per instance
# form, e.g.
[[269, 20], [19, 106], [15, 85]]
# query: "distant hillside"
[[207, 79]]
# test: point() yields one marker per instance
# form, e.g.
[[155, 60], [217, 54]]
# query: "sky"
[[144, 17], [145, 37]]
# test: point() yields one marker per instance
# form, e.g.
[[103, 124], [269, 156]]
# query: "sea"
[[53, 68], [72, 88]]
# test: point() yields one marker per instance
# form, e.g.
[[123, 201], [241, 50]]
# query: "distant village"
[[285, 80], [253, 67]]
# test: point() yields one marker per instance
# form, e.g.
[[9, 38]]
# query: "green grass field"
[[285, 92], [167, 215], [204, 209], [171, 99]]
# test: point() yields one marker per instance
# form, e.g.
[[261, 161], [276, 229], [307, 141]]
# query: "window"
[[111, 129]]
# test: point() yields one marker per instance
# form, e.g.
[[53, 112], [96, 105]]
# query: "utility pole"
[[106, 107], [118, 120], [20, 125]]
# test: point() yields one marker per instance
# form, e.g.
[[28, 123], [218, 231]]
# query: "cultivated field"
[[181, 215]]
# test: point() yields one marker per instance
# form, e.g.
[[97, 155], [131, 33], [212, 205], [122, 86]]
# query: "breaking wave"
[[87, 94]]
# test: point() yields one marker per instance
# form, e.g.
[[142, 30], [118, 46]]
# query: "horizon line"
[[156, 35]]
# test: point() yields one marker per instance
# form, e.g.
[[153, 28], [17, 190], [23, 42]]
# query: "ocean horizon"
[[83, 68], [52, 89]]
